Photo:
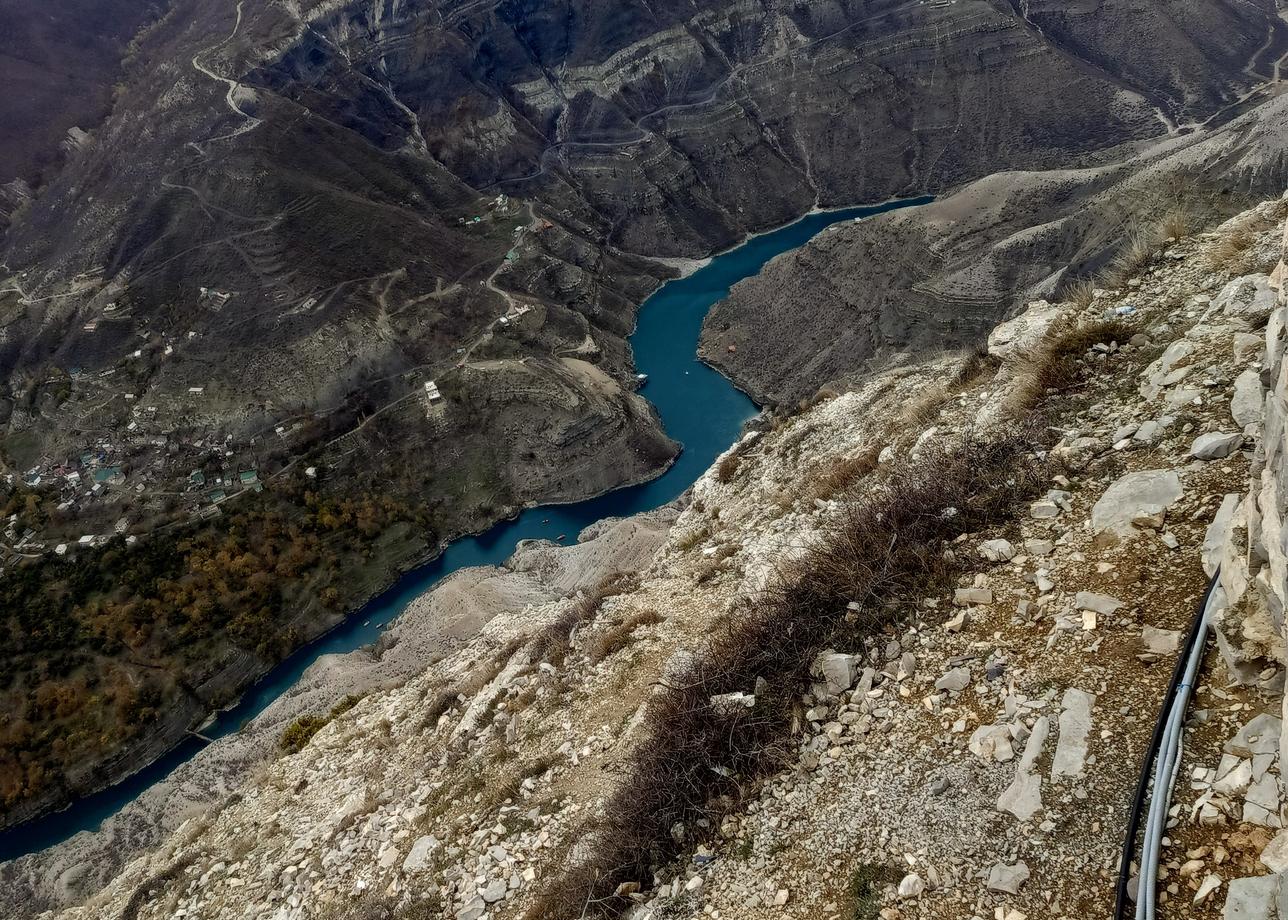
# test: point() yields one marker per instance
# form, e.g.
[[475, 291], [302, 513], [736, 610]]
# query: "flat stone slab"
[[1141, 494], [1254, 898], [1100, 603], [1216, 445], [1258, 736], [1075, 725], [1023, 798], [1245, 405], [1160, 641]]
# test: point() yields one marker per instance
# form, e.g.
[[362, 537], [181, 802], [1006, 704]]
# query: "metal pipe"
[[1121, 898]]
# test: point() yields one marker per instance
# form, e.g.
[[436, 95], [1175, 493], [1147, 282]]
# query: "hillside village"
[[970, 751], [142, 460]]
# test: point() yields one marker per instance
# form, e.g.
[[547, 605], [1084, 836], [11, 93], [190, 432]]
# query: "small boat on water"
[[641, 379], [545, 520], [561, 536]]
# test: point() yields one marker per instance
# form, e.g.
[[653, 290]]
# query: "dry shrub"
[[695, 760], [714, 564], [823, 395], [442, 702], [152, 887], [924, 409], [509, 785], [728, 466], [842, 475], [693, 537], [616, 638], [975, 363], [373, 905]]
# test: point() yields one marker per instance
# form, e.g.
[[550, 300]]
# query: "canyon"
[[297, 218], [970, 750]]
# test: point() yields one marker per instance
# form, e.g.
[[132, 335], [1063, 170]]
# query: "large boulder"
[[1251, 298]]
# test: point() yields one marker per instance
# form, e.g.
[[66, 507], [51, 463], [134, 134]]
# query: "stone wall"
[[1247, 539]]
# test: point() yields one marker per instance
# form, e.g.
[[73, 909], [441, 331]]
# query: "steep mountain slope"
[[58, 63], [298, 215], [958, 748], [864, 295]]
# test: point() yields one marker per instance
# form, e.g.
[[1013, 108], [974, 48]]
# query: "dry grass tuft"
[[442, 702], [616, 638], [1133, 257], [1235, 251], [1080, 293], [924, 409], [696, 760], [1178, 222], [372, 905], [1053, 365], [842, 476], [553, 643], [728, 466], [509, 785]]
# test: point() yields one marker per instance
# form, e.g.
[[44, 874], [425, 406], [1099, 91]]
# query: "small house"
[[109, 475]]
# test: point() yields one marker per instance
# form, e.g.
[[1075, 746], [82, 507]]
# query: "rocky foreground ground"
[[977, 760]]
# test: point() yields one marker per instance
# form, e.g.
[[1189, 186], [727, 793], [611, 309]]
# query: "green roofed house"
[[197, 478], [109, 475], [248, 477], [216, 495]]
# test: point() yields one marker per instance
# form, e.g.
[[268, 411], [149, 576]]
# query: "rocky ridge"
[[977, 761]]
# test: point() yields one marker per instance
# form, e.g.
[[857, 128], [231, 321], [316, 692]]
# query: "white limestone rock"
[[1245, 405], [1251, 297], [1216, 445], [1023, 798], [1075, 725], [1008, 879], [997, 550], [1134, 496], [838, 670], [1102, 604]]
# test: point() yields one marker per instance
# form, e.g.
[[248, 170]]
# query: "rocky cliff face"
[[321, 165], [974, 757], [864, 295]]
